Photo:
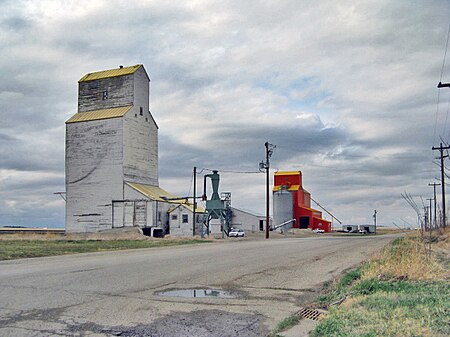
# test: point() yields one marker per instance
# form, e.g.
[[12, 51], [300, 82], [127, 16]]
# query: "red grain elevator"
[[291, 201]]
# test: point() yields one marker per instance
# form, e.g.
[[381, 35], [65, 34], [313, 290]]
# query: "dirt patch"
[[202, 323]]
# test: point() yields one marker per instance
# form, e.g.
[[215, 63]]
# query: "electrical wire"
[[445, 53], [231, 171], [190, 185], [440, 80]]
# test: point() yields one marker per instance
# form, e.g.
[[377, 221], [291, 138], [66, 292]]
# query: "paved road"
[[117, 293]]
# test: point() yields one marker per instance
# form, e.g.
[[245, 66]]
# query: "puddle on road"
[[198, 293]]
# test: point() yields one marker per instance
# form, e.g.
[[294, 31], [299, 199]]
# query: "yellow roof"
[[110, 73], [190, 207], [99, 114], [287, 173], [155, 193], [158, 194]]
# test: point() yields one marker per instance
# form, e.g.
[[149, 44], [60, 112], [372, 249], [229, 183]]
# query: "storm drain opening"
[[198, 293], [313, 314]]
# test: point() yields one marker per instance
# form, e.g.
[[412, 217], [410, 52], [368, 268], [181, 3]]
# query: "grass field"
[[402, 291], [15, 249]]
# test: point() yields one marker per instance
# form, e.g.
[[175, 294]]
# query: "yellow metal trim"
[[290, 188], [288, 173], [99, 114], [109, 73]]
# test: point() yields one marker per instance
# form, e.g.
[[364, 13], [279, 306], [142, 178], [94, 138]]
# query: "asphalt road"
[[117, 293]]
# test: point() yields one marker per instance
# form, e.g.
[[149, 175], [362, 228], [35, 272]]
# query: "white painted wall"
[[94, 173], [180, 228], [245, 220]]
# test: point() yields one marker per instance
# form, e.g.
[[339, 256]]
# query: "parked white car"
[[318, 230], [236, 233]]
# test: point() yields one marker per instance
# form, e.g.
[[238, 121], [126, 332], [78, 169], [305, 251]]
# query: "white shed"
[[248, 221]]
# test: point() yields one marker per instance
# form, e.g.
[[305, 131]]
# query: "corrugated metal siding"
[[110, 73], [99, 114]]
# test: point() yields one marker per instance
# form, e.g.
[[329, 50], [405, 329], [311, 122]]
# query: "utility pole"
[[441, 151], [195, 202], [375, 220], [266, 165], [430, 217], [435, 207]]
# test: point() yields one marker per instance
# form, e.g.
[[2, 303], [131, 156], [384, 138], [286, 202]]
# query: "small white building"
[[367, 228], [181, 220], [247, 220], [350, 228]]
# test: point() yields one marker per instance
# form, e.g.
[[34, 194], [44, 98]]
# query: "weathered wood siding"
[[119, 92], [94, 173], [140, 136], [140, 149]]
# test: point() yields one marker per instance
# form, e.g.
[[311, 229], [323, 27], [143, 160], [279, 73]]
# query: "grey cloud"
[[375, 66]]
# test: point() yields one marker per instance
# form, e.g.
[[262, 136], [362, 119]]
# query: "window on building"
[[141, 111], [105, 94], [174, 217], [185, 218], [146, 119], [159, 216]]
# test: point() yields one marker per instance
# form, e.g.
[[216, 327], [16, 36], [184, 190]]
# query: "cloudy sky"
[[346, 90]]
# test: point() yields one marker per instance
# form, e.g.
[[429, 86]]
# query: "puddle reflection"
[[198, 293]]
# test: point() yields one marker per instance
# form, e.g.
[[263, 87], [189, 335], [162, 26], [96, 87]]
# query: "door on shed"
[[140, 213]]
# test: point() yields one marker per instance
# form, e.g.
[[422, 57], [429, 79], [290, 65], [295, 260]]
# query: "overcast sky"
[[346, 90]]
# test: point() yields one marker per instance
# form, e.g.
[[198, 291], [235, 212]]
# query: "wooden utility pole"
[[430, 217], [435, 206], [266, 165], [441, 151], [195, 202], [375, 220]]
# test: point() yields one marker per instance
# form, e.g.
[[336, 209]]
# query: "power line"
[[440, 83], [445, 54], [230, 171]]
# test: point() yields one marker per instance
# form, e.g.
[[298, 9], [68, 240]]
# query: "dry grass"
[[30, 236], [402, 291], [408, 258]]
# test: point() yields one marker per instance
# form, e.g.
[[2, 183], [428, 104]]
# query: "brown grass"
[[410, 259]]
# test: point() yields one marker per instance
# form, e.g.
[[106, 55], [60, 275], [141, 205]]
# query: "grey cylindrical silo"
[[282, 208]]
